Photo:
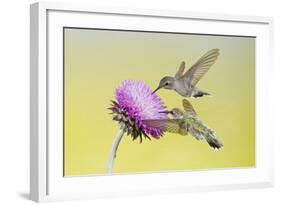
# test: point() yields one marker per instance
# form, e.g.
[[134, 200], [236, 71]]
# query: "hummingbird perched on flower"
[[185, 83], [187, 121]]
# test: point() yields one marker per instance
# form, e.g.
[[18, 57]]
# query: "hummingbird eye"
[[167, 83]]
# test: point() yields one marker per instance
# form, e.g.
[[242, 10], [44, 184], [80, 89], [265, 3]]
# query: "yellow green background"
[[97, 61]]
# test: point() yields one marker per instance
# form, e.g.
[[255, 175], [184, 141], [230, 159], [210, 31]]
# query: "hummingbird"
[[185, 83], [187, 121]]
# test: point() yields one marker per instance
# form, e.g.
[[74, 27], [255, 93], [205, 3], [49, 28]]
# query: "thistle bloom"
[[138, 103], [135, 103]]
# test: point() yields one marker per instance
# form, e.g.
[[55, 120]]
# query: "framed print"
[[128, 102]]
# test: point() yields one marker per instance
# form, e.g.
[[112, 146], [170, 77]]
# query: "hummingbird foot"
[[200, 94]]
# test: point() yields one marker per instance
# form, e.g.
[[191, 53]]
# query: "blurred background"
[[97, 61]]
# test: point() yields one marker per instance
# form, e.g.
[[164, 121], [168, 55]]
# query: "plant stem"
[[114, 148]]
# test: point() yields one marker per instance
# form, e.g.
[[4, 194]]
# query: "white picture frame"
[[46, 24]]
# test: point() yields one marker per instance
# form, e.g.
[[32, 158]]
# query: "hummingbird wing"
[[188, 107], [201, 67], [180, 70], [168, 125], [176, 126]]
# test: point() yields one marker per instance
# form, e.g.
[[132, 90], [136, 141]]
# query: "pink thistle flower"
[[135, 103]]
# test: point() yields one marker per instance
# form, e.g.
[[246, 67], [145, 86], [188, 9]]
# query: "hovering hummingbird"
[[185, 83], [187, 121]]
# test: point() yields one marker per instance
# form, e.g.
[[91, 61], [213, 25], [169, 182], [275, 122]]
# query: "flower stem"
[[114, 148]]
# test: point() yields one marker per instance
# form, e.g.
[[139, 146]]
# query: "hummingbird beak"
[[156, 90], [166, 111]]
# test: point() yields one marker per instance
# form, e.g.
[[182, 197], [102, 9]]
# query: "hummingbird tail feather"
[[213, 142]]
